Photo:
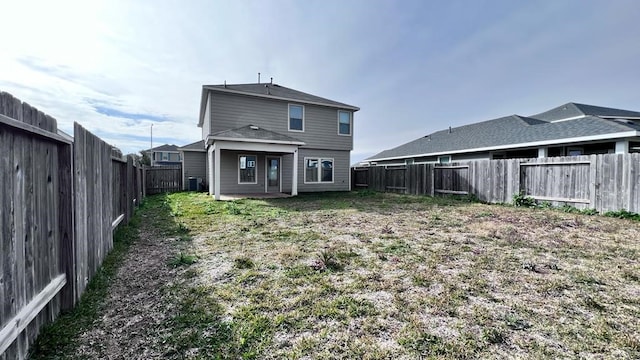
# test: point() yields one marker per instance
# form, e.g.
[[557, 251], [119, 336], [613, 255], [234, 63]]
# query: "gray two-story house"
[[264, 138]]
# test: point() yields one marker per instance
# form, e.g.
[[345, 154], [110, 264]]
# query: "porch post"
[[209, 168], [622, 147], [216, 151], [543, 152], [294, 183]]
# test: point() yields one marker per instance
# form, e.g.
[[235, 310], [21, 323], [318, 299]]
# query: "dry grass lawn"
[[384, 276], [357, 276]]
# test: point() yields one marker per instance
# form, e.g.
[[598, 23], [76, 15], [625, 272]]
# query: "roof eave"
[[342, 106], [192, 150], [203, 105], [211, 139], [618, 135]]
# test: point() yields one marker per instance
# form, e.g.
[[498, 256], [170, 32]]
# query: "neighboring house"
[[263, 138], [194, 157], [164, 155], [568, 130]]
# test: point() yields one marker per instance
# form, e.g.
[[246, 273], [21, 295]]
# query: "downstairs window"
[[247, 169], [318, 170]]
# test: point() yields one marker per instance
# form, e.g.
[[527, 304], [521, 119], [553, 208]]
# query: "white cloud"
[[413, 67]]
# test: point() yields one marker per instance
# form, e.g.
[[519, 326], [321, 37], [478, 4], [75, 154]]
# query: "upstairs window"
[[344, 123], [247, 169], [296, 117]]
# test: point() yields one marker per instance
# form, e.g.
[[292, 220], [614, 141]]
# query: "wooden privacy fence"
[[162, 179], [60, 200], [603, 182]]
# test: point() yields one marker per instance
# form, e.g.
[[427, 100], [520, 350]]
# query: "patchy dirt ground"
[[136, 308], [372, 276]]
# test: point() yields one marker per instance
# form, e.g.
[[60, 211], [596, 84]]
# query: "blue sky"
[[413, 67]]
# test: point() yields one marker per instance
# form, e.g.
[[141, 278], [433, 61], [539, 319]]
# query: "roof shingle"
[[278, 91], [251, 132], [515, 130]]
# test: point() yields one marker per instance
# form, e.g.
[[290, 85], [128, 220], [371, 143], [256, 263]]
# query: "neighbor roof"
[[272, 91], [165, 147], [573, 110], [195, 146], [514, 131], [255, 133]]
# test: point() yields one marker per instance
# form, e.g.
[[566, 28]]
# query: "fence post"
[[129, 189], [593, 187], [144, 180], [432, 191]]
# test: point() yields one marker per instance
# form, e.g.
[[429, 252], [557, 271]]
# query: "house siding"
[[287, 172], [341, 170], [320, 123], [229, 173], [206, 124], [194, 165]]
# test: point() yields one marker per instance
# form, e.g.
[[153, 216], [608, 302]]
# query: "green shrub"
[[183, 259], [243, 263], [521, 200], [623, 214]]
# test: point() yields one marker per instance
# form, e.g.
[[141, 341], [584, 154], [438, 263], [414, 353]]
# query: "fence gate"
[[162, 179]]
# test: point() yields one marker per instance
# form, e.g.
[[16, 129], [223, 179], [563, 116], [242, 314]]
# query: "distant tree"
[[144, 158], [136, 158], [115, 152]]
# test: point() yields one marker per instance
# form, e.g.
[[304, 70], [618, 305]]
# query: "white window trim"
[[255, 169], [444, 156], [350, 123], [575, 148], [289, 117], [320, 159]]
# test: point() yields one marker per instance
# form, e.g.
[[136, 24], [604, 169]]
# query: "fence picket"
[[56, 211], [603, 182]]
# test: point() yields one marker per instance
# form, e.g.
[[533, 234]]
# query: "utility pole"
[[150, 149]]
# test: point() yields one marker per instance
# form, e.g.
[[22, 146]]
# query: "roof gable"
[[607, 112], [165, 147], [573, 110], [198, 145], [270, 91], [278, 92]]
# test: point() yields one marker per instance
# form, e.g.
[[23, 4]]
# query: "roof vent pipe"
[[272, 80], [225, 84], [449, 129], [258, 78]]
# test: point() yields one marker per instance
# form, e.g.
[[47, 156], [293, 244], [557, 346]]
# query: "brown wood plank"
[[634, 181], [7, 169], [33, 130], [35, 187], [66, 208], [20, 198], [80, 208]]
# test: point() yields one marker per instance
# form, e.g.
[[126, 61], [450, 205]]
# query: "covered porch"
[[250, 161]]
